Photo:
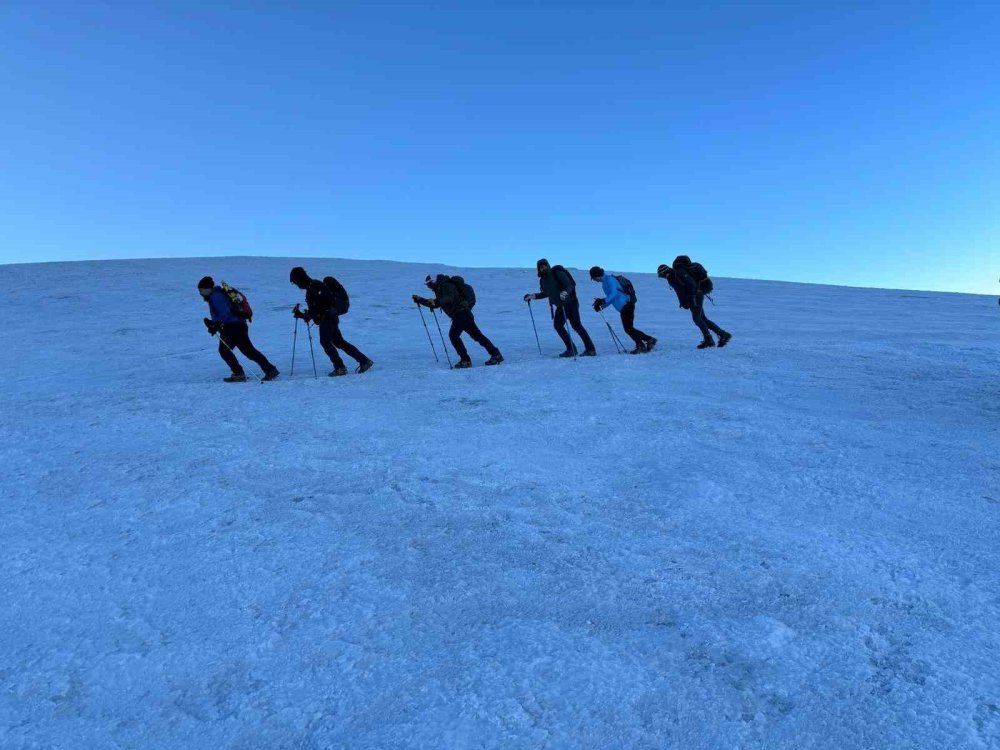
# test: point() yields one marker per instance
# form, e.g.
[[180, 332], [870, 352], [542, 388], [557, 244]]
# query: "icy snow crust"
[[789, 543]]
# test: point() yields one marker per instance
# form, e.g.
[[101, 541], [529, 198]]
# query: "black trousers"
[[465, 322], [237, 336], [698, 316], [628, 323], [570, 310], [331, 339]]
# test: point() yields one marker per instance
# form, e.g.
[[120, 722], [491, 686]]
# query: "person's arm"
[[611, 289]]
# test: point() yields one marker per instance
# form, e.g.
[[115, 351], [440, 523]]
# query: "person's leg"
[[573, 313], [338, 340], [455, 336], [559, 323], [698, 316], [628, 323], [471, 328], [227, 355], [246, 347], [326, 335]]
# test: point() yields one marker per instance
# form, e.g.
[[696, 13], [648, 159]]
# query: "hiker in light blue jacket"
[[620, 294]]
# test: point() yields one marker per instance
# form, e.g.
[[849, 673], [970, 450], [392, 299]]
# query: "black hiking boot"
[[365, 367], [463, 364], [567, 354], [724, 339], [650, 343], [641, 349], [236, 377], [494, 360], [271, 374], [707, 344], [338, 372], [589, 353]]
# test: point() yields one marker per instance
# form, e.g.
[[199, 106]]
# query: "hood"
[[540, 263]]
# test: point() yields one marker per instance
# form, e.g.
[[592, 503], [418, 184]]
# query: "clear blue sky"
[[856, 143]]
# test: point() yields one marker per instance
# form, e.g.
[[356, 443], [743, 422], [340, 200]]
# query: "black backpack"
[[700, 276], [571, 282], [341, 302], [465, 291], [627, 287]]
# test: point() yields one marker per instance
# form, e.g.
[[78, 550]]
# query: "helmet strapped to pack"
[[238, 302]]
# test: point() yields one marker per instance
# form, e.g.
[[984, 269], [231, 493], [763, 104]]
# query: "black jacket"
[[448, 296], [557, 280], [684, 285], [319, 300]]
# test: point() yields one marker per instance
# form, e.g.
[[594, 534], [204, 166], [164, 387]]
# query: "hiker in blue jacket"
[[620, 294], [233, 333]]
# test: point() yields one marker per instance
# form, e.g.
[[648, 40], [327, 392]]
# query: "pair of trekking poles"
[[312, 354]]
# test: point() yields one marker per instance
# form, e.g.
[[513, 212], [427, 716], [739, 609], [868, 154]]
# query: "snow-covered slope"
[[792, 542]]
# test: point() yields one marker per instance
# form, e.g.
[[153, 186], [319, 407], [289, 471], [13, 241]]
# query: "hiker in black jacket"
[[321, 309], [557, 284], [455, 298], [691, 283]]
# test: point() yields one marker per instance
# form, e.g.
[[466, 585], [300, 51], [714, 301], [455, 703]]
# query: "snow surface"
[[789, 543]]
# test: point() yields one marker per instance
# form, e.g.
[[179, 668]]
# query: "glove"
[[564, 296], [297, 313], [420, 300], [529, 296], [598, 304], [212, 326]]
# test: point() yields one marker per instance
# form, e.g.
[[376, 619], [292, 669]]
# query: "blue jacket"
[[614, 295], [221, 310]]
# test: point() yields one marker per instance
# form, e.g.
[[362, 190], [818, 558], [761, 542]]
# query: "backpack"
[[238, 302], [341, 301], [465, 291], [700, 276], [571, 284], [627, 287]]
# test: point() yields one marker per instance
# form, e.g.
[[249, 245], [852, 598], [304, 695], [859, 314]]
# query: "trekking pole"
[[443, 345], [534, 328], [428, 331], [619, 347], [295, 337], [259, 380], [311, 352]]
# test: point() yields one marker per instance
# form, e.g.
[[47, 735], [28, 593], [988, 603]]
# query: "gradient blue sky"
[[845, 143]]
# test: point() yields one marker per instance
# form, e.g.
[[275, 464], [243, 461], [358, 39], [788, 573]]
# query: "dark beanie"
[[298, 275], [207, 282], [596, 272]]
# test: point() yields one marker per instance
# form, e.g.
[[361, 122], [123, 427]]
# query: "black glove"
[[212, 326], [598, 304], [297, 313]]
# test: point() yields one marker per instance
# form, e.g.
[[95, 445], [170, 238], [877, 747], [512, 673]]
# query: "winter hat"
[[207, 282], [429, 280], [662, 270], [298, 275], [596, 272], [682, 261]]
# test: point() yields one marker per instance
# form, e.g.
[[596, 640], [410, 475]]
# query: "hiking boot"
[[707, 344], [650, 343], [641, 349], [271, 374], [338, 372], [494, 360], [236, 377], [589, 353], [568, 353], [724, 339], [463, 364], [365, 367]]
